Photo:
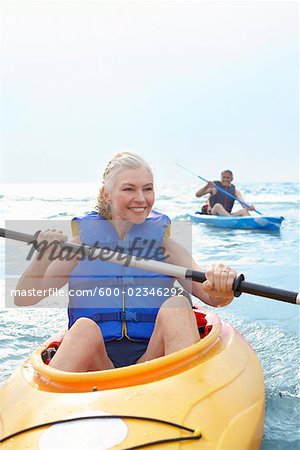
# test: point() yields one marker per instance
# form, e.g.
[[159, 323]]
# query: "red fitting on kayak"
[[203, 327], [49, 352]]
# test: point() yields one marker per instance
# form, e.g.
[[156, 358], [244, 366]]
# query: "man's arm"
[[241, 198], [207, 189]]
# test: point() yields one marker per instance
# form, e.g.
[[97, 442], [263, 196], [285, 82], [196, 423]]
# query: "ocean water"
[[269, 258]]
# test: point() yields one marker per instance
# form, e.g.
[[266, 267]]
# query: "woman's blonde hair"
[[119, 162]]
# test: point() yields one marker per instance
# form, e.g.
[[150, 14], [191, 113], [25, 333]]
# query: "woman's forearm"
[[31, 280]]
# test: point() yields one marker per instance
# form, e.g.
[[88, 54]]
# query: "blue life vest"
[[122, 300], [220, 197]]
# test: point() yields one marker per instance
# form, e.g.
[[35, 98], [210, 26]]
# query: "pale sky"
[[212, 83]]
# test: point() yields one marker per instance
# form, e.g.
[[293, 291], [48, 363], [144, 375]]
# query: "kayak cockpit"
[[49, 378]]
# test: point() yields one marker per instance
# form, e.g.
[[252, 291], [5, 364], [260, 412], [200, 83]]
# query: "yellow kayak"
[[208, 396]]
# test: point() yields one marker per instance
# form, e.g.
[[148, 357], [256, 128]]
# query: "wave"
[[47, 199], [85, 192]]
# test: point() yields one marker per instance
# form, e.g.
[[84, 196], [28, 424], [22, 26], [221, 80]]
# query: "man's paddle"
[[217, 187], [239, 284]]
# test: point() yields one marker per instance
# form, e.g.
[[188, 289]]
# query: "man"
[[219, 203]]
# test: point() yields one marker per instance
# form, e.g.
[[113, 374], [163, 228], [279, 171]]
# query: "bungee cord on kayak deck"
[[196, 433], [196, 437]]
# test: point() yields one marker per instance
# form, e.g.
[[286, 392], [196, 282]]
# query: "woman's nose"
[[139, 196]]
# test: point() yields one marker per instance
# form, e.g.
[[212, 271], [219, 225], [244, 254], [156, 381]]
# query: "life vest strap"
[[124, 316], [113, 280]]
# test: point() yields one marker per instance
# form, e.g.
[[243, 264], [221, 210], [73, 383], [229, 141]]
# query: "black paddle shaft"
[[239, 285], [17, 236]]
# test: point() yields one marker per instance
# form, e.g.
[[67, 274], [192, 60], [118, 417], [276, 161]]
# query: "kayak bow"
[[269, 223], [211, 393]]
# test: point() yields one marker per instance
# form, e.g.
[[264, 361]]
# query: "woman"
[[134, 315]]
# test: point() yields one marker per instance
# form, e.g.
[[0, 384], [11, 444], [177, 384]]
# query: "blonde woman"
[[135, 315]]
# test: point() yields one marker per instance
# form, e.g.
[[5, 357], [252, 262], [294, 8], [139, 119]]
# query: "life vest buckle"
[[128, 316]]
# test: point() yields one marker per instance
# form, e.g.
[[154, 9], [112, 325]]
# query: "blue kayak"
[[243, 222]]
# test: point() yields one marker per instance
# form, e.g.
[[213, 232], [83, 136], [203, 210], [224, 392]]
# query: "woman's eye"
[[144, 189]]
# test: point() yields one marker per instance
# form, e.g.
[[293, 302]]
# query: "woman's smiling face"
[[132, 195]]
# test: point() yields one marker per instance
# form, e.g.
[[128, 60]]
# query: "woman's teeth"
[[138, 210]]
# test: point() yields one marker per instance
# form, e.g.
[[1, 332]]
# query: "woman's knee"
[[178, 301], [177, 324], [86, 328], [174, 306]]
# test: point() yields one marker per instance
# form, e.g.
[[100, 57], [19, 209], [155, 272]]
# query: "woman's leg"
[[175, 329], [82, 349]]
